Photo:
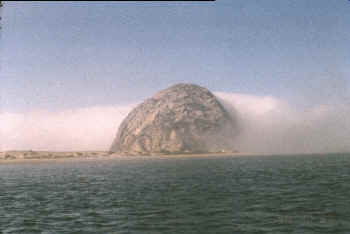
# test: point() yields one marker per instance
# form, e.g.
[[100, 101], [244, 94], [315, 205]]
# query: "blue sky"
[[71, 71], [63, 55]]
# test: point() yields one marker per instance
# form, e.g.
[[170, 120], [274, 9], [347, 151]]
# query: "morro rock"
[[184, 118]]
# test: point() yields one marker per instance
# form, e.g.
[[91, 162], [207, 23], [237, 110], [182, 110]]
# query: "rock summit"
[[184, 118]]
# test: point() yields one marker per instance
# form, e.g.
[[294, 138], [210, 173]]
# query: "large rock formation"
[[184, 118]]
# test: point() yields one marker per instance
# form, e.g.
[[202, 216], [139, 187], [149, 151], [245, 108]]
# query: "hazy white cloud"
[[271, 125], [91, 128], [268, 125]]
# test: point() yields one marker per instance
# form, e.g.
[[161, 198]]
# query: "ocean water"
[[221, 194]]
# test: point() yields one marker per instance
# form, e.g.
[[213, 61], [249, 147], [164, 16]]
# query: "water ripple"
[[270, 194]]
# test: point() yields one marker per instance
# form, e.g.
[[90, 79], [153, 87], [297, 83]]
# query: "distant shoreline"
[[41, 156], [14, 155]]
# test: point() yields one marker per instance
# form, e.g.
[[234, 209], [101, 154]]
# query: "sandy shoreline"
[[51, 156], [16, 156], [47, 156]]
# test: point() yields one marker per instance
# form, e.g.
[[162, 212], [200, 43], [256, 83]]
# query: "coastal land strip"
[[53, 156], [19, 156]]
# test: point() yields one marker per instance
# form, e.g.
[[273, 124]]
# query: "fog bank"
[[91, 128], [267, 125], [271, 125]]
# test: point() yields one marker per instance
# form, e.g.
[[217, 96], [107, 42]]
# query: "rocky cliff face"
[[183, 118]]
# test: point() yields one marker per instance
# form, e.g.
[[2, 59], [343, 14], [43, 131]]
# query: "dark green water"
[[268, 194]]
